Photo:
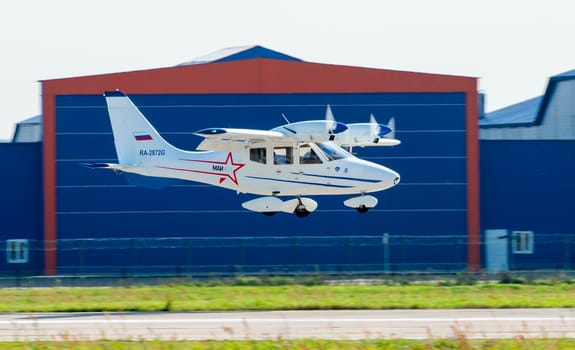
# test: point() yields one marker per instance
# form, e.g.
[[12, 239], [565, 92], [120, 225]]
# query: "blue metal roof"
[[570, 74], [519, 114], [33, 120], [239, 53], [527, 113]]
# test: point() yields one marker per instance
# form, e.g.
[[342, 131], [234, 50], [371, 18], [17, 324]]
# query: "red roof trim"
[[262, 76]]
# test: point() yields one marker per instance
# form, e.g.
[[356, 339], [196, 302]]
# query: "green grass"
[[286, 297], [182, 297], [460, 343]]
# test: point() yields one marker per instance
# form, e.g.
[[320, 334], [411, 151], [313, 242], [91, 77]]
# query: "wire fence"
[[203, 257]]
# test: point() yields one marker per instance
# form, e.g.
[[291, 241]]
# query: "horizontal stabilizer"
[[112, 166], [96, 165]]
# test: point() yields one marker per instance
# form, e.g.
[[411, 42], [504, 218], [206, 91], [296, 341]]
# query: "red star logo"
[[234, 167], [225, 170]]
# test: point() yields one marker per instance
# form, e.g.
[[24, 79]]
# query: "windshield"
[[332, 151]]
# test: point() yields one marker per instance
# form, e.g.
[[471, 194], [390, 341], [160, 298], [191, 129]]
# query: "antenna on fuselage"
[[286, 119]]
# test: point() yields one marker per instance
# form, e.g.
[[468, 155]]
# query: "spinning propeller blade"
[[391, 124], [330, 125], [374, 127]]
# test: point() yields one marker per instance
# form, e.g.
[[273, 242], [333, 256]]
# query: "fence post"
[[567, 252], [189, 256], [349, 253], [295, 256], [242, 253], [134, 251], [459, 242], [403, 252], [385, 243], [82, 258]]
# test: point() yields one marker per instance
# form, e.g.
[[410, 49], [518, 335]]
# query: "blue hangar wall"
[[107, 225], [522, 194], [21, 207], [96, 222], [527, 185], [527, 172]]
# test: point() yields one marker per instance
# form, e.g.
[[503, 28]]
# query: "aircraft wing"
[[370, 143], [226, 139]]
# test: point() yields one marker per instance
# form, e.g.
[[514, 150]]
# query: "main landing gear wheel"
[[362, 208], [300, 206], [300, 211]]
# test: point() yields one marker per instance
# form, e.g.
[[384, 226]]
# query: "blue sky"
[[512, 46]]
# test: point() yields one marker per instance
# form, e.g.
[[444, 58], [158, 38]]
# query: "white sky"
[[512, 46]]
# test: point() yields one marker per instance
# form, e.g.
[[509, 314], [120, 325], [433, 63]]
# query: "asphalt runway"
[[356, 324]]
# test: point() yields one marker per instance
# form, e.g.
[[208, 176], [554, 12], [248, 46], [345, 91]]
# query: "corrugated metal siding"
[[558, 121], [21, 203], [99, 204], [529, 186]]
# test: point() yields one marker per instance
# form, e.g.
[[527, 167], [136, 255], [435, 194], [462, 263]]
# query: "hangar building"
[[95, 221], [527, 166]]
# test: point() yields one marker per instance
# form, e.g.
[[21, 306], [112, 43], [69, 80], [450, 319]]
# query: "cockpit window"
[[332, 151], [307, 155], [283, 155]]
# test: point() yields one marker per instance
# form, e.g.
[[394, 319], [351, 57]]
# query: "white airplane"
[[293, 160]]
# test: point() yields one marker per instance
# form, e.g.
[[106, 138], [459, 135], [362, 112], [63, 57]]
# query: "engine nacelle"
[[313, 130], [366, 134]]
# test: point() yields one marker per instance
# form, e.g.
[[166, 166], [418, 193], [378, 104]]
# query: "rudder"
[[134, 137]]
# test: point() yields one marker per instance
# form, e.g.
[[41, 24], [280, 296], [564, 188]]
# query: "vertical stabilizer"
[[135, 138]]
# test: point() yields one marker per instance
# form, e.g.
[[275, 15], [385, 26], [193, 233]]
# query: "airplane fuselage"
[[297, 159], [279, 170]]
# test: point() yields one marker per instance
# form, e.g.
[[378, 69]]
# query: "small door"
[[284, 166], [496, 254]]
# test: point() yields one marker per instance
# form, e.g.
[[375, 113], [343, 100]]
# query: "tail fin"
[[135, 138]]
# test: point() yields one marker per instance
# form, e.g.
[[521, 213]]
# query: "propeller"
[[374, 127], [391, 125], [332, 126], [378, 131], [330, 120]]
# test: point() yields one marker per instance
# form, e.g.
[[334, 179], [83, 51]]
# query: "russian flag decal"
[[143, 137]]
